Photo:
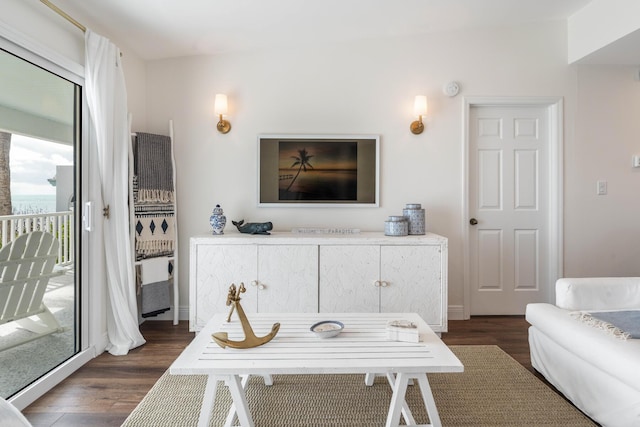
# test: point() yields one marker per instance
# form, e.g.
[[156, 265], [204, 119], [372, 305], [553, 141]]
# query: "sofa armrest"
[[598, 293]]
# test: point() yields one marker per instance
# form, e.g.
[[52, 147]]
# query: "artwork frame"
[[318, 170]]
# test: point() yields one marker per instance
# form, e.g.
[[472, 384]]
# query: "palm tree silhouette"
[[303, 161]]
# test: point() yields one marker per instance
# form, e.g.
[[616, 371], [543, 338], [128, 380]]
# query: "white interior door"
[[508, 203]]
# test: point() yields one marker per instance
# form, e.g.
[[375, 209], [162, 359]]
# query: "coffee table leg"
[[268, 379], [406, 412], [231, 416], [239, 400], [397, 400], [429, 403], [208, 400], [369, 379], [399, 405]]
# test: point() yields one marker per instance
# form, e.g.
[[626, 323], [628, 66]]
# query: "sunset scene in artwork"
[[318, 170]]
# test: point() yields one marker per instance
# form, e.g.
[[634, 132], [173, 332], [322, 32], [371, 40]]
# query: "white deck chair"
[[26, 265]]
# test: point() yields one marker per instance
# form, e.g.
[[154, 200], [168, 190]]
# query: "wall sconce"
[[220, 108], [419, 109]]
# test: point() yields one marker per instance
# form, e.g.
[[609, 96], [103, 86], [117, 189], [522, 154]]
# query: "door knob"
[[473, 221]]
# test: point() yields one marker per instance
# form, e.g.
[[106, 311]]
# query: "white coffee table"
[[361, 348]]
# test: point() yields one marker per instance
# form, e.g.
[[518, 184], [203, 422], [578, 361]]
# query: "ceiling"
[[34, 101], [157, 29]]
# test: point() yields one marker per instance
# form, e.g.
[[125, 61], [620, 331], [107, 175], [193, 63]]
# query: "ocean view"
[[33, 204]]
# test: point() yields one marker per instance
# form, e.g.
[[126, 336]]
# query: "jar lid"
[[413, 206], [395, 218], [218, 210]]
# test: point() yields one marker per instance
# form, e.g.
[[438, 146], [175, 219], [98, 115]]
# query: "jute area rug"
[[494, 390]]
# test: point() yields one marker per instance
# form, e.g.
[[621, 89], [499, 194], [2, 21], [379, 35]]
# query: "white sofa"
[[598, 372], [10, 416]]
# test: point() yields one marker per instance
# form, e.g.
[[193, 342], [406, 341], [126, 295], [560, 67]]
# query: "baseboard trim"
[[456, 312]]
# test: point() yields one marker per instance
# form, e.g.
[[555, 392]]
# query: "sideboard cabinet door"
[[386, 279], [348, 278], [412, 282], [287, 279], [277, 278], [216, 268]]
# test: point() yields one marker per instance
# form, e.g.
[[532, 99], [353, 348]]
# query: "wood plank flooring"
[[104, 391]]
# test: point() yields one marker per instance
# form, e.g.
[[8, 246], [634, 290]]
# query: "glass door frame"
[[33, 52]]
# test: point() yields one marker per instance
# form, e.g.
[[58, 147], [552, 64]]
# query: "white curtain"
[[107, 99]]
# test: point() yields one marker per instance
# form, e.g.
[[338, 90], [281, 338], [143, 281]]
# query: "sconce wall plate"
[[223, 125], [417, 127]]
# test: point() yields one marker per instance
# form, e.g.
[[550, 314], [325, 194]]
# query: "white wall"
[[360, 87], [602, 233], [599, 24]]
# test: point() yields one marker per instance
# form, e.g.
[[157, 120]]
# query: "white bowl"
[[327, 328]]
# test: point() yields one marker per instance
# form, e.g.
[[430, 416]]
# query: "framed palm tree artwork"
[[318, 170]]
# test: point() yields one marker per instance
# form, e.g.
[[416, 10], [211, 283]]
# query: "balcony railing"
[[60, 224]]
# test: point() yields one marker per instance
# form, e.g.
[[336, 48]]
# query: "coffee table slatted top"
[[362, 347]]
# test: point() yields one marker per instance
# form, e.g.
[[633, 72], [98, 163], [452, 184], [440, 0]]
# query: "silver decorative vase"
[[415, 217], [396, 226], [218, 220]]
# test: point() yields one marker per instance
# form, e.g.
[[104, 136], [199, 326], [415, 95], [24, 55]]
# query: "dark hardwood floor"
[[104, 391]]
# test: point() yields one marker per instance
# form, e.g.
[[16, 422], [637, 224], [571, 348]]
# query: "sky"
[[33, 161], [337, 155]]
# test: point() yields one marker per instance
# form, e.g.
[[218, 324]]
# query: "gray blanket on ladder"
[[154, 168], [154, 196], [156, 295]]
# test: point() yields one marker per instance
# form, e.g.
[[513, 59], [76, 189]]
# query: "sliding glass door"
[[40, 191]]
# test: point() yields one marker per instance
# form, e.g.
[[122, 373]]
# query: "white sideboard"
[[327, 273]]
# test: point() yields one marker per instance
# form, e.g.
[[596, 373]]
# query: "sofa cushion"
[[619, 358], [598, 293]]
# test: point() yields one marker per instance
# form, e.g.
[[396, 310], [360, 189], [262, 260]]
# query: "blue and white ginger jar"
[[218, 220]]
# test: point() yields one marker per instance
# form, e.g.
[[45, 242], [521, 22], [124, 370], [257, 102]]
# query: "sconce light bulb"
[[420, 105], [419, 109], [220, 104]]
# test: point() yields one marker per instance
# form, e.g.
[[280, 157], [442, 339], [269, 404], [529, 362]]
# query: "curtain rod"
[[62, 13]]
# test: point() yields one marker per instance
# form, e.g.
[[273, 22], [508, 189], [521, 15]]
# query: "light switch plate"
[[636, 161], [601, 188]]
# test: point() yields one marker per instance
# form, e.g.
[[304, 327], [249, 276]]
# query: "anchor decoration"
[[250, 338]]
